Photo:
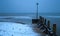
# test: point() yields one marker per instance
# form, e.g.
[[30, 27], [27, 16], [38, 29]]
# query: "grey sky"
[[18, 6]]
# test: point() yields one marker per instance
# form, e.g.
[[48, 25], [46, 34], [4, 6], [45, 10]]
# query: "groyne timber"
[[42, 25]]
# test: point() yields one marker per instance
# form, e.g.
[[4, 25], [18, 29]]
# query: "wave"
[[16, 17]]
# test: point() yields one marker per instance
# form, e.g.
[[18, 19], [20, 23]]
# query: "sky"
[[29, 6]]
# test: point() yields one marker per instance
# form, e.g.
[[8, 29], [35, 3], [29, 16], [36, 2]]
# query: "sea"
[[27, 18]]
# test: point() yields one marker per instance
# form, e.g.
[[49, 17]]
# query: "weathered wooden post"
[[54, 29], [46, 31], [35, 21], [42, 26], [42, 20], [48, 25], [45, 21], [40, 17]]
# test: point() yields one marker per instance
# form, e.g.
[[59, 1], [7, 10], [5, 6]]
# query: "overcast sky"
[[18, 6]]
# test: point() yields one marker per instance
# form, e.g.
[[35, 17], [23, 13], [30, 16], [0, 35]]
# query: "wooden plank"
[[35, 21]]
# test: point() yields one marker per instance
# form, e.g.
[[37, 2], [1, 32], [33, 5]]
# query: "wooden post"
[[48, 24], [54, 29], [45, 21], [42, 20], [35, 21], [40, 17], [46, 31]]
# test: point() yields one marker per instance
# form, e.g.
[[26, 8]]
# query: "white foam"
[[15, 29], [17, 17]]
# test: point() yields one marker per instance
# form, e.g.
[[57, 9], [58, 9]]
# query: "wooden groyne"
[[45, 25]]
